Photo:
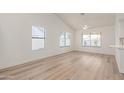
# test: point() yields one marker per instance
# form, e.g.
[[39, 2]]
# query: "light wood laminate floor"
[[68, 66]]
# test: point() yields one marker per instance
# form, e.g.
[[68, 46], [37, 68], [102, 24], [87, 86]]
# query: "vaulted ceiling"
[[77, 20]]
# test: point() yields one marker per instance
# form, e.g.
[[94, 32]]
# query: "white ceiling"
[[76, 20]]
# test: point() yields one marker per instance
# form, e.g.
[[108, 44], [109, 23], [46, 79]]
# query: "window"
[[91, 40], [65, 39], [95, 39], [38, 37], [86, 40]]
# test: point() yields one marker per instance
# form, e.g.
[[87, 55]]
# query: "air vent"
[[82, 13]]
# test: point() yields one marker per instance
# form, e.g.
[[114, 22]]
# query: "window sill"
[[92, 46], [64, 46]]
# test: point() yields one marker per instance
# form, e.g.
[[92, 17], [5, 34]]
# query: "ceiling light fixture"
[[85, 27]]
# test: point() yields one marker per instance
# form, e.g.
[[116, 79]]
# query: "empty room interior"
[[61, 46]]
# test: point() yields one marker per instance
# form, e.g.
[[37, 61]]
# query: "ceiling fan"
[[85, 27]]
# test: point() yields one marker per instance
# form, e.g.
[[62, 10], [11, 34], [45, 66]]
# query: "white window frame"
[[91, 33], [65, 40], [42, 38]]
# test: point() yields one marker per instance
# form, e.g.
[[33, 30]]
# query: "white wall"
[[119, 33], [16, 37], [108, 38], [1, 46]]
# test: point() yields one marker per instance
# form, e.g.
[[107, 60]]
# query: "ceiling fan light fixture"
[[85, 27]]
